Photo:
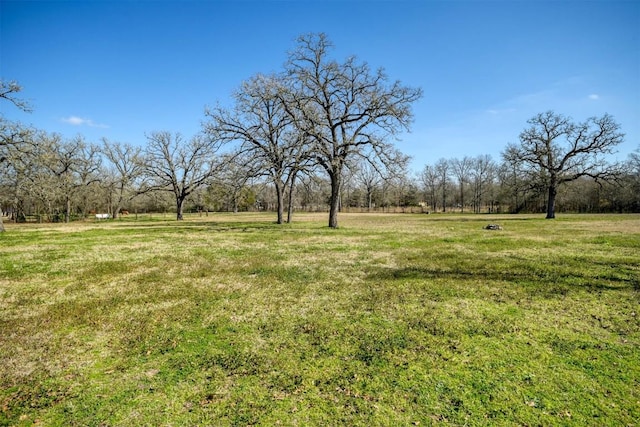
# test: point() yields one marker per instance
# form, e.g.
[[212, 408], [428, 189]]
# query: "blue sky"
[[120, 69]]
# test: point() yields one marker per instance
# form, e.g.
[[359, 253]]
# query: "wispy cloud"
[[79, 121], [563, 97], [500, 111]]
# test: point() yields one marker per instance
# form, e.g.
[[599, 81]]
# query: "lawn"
[[232, 320]]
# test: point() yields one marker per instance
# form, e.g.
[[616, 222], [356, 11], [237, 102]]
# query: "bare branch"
[[8, 90]]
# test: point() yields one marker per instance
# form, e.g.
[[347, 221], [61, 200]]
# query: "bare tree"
[[313, 192], [370, 176], [34, 183], [634, 162], [461, 168], [482, 170], [397, 179], [442, 169], [239, 169], [178, 166], [127, 164], [344, 108], [17, 158], [12, 136], [429, 178], [88, 176], [556, 150], [633, 180], [72, 165], [265, 130], [17, 148]]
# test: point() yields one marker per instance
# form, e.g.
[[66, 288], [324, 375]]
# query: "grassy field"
[[389, 320]]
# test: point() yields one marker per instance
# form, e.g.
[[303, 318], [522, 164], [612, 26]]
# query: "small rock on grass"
[[493, 227]]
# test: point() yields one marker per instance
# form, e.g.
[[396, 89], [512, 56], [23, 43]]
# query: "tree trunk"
[[280, 200], [551, 201], [67, 213], [1, 223], [116, 211], [290, 204], [335, 200], [179, 208], [235, 200], [118, 205]]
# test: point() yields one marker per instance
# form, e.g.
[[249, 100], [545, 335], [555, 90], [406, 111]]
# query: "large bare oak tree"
[[266, 133], [346, 109], [555, 150]]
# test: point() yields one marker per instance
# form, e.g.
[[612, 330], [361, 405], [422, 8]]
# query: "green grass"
[[232, 320]]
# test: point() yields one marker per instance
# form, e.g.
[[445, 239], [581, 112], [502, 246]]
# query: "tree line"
[[315, 136]]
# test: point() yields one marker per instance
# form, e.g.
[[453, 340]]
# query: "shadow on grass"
[[209, 225], [546, 283]]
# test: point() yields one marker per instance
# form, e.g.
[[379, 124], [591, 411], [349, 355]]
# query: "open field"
[[389, 320]]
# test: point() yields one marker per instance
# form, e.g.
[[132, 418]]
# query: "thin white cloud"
[[594, 96], [79, 121], [73, 120], [500, 111]]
